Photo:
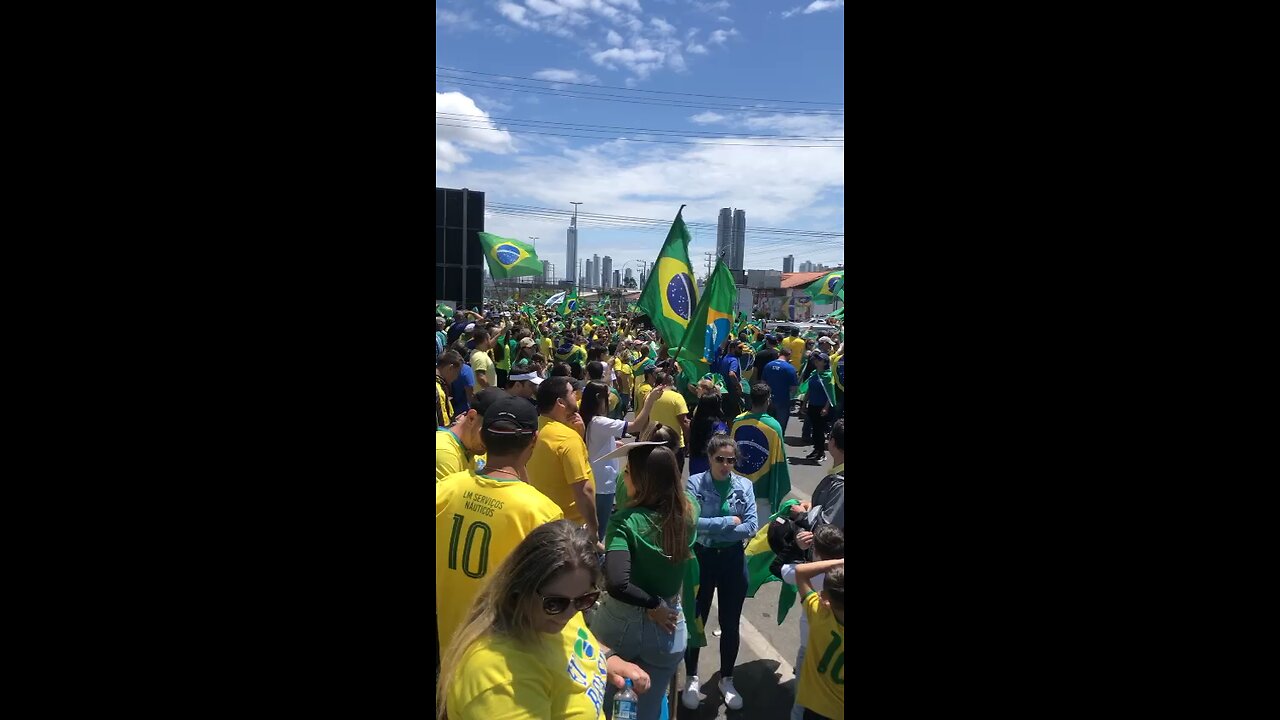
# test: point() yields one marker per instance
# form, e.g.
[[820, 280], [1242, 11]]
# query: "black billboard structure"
[[460, 265]]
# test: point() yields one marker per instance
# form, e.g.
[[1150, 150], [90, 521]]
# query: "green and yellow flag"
[[761, 457], [826, 287], [670, 295], [509, 258], [760, 556], [710, 324], [570, 301]]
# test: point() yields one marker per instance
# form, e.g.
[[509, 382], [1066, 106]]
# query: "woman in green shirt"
[[647, 546]]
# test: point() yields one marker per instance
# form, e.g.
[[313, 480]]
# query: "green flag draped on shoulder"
[[669, 295], [761, 457], [509, 258], [825, 288], [760, 556]]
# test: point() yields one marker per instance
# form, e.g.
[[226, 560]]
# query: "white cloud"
[[675, 61], [724, 19], [707, 117], [789, 13], [639, 62], [544, 7], [572, 76], [633, 5], [720, 36], [696, 49], [711, 6], [690, 33], [456, 20], [663, 26], [516, 14], [614, 39], [820, 5], [450, 138]]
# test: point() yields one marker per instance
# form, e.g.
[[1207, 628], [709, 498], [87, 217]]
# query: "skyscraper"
[[739, 242], [606, 272], [546, 271], [590, 267], [724, 237], [789, 263], [571, 250], [595, 271], [627, 275], [616, 280]]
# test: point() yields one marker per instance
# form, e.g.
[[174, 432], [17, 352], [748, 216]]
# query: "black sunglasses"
[[726, 460], [554, 605]]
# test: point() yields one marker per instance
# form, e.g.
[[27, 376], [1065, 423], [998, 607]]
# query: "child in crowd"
[[828, 547]]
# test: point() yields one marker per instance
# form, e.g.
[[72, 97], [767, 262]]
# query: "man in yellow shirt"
[[480, 519], [797, 346], [821, 687], [559, 466], [483, 366], [644, 373], [672, 411], [458, 446]]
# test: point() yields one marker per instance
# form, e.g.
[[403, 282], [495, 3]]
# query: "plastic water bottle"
[[624, 703]]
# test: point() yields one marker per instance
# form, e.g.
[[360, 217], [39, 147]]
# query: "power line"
[[661, 92], [579, 95], [599, 137], [456, 117], [810, 237], [558, 211]]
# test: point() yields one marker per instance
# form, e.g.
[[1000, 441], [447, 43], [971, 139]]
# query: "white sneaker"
[[689, 698], [732, 699]]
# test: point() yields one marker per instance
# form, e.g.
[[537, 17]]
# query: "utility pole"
[[709, 256]]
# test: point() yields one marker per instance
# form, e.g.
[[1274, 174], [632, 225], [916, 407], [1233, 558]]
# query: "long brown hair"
[[507, 603], [656, 476]]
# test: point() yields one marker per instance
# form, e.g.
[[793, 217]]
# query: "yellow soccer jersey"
[[642, 392], [560, 460], [561, 677], [822, 678], [479, 521], [451, 456]]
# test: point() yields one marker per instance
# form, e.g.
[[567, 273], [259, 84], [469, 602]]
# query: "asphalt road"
[[763, 673]]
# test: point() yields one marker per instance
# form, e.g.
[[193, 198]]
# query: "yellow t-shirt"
[[797, 351], [623, 371], [642, 392], [822, 678], [545, 344], [562, 677], [666, 409], [451, 456], [559, 461], [481, 362], [479, 522]]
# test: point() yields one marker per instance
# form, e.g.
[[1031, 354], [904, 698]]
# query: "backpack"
[[782, 541]]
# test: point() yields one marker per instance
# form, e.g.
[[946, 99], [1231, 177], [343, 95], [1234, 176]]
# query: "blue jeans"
[[604, 508], [725, 570], [635, 638]]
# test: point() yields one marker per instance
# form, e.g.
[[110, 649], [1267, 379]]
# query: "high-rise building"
[[590, 268], [627, 275], [546, 271], [724, 237], [606, 272], [595, 271], [789, 263], [739, 242], [617, 281], [571, 250]]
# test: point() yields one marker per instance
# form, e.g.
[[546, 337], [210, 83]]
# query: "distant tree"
[[629, 282]]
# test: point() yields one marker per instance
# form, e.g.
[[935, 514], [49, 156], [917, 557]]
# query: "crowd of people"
[[565, 552]]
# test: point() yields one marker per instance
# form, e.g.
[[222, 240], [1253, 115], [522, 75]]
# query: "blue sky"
[[784, 50]]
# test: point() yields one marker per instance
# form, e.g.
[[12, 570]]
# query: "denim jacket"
[[714, 528]]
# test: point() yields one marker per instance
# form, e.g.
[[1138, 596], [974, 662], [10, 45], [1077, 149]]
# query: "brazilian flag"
[[709, 326], [670, 295], [761, 457], [509, 258], [570, 301], [760, 556], [826, 287]]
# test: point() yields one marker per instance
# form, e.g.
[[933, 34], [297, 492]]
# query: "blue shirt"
[[714, 528], [817, 395], [726, 364], [780, 376], [466, 379]]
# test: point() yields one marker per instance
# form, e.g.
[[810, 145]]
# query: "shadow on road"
[[764, 695]]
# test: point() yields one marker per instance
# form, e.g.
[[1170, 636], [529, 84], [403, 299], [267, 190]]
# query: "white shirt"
[[789, 576], [600, 436]]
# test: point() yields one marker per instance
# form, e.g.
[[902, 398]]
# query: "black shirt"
[[764, 357]]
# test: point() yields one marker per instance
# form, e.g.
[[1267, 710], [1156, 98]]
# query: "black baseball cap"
[[487, 397], [511, 415]]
